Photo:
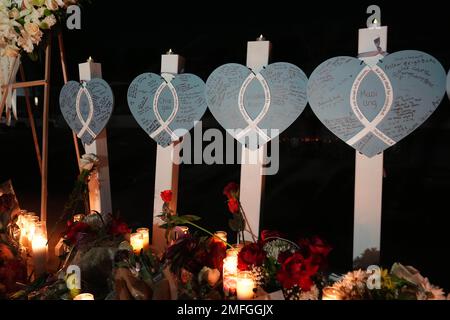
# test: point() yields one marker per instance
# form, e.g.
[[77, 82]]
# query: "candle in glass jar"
[[329, 293], [137, 242], [245, 285], [32, 221], [229, 274], [145, 237], [84, 296], [39, 249], [220, 236]]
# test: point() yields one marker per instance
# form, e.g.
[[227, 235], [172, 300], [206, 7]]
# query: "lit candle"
[[220, 236], [78, 217], [145, 237], [245, 285], [229, 274], [137, 242], [375, 24], [234, 251], [39, 249], [329, 293], [84, 296]]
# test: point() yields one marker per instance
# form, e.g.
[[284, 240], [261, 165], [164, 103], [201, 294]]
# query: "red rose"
[[217, 251], [233, 205], [317, 249], [118, 227], [251, 255], [76, 231], [166, 195], [231, 190], [297, 271]]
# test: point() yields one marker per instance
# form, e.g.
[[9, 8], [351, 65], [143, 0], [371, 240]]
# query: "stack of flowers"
[[398, 283], [279, 264], [23, 23]]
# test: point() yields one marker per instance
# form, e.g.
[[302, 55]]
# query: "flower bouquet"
[[399, 283], [273, 263]]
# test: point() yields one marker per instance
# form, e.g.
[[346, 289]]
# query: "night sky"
[[313, 192]]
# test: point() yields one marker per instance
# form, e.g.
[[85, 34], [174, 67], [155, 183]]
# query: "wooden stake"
[[252, 178], [45, 115], [62, 56], [368, 172], [166, 176], [31, 120]]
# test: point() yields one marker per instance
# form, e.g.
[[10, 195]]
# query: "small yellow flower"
[[386, 279]]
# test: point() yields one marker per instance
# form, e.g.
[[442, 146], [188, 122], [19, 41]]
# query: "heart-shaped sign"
[[87, 107], [167, 110], [255, 108], [373, 107]]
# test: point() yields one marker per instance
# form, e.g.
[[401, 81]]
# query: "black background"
[[313, 191]]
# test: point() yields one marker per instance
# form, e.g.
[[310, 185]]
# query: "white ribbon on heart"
[[371, 126], [85, 124], [253, 124], [165, 124]]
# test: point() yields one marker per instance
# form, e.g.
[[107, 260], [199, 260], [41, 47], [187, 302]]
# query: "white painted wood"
[[167, 159], [99, 186], [252, 177], [368, 171]]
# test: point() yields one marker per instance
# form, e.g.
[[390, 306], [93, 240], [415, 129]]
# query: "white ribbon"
[[371, 126], [253, 124], [86, 123], [165, 124]]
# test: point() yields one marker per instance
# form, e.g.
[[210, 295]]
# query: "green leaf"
[[47, 13]]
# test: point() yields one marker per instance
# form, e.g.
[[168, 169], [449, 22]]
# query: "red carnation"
[[251, 255], [231, 190], [233, 205], [317, 249], [166, 195]]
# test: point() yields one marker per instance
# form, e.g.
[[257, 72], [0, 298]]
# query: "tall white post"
[[166, 176], [252, 177], [99, 188], [368, 171]]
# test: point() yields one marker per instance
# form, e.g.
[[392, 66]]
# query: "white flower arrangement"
[[23, 23]]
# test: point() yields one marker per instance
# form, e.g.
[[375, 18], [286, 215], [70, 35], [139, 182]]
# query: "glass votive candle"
[[220, 236], [84, 296], [229, 275], [137, 242], [245, 285], [145, 237], [329, 293], [39, 249]]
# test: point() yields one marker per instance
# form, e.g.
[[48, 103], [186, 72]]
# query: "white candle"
[[84, 296], [245, 285], [39, 248], [137, 242], [229, 274], [145, 237]]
